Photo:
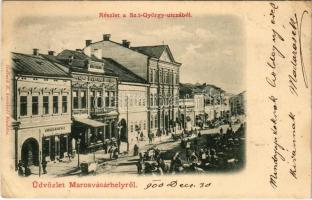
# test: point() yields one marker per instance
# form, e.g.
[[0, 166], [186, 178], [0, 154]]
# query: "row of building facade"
[[83, 99], [88, 97]]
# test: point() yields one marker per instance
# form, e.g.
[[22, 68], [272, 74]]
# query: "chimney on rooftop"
[[106, 37], [70, 60], [88, 42], [51, 53], [36, 52], [126, 43]]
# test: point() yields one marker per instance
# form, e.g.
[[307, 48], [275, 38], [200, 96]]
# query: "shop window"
[[23, 105], [55, 104], [45, 105], [75, 99], [64, 104], [83, 96], [35, 105]]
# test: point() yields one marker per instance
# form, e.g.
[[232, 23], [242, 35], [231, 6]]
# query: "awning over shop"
[[90, 122]]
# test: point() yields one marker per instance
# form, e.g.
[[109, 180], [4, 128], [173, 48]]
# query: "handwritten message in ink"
[[285, 52]]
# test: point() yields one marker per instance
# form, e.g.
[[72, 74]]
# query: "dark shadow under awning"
[[90, 122]]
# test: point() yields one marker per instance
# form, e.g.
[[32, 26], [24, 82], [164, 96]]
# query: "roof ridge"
[[46, 57], [29, 55], [124, 68], [151, 46]]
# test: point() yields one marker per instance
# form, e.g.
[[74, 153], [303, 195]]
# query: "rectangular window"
[[55, 104], [64, 104], [140, 101], [126, 101], [35, 105], [130, 101], [156, 76], [92, 95], [156, 121], [45, 105], [83, 97], [151, 76], [75, 99], [112, 97], [107, 99], [144, 125], [23, 105], [135, 101], [99, 99], [152, 119], [152, 100]]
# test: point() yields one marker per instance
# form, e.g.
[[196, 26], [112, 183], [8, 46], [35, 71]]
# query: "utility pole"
[[127, 114], [78, 149], [40, 152]]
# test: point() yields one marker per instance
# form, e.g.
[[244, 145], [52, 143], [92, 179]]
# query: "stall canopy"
[[90, 122]]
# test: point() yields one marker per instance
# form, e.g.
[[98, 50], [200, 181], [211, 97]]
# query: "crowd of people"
[[219, 151]]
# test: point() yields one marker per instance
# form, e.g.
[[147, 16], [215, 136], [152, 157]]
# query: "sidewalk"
[[70, 167]]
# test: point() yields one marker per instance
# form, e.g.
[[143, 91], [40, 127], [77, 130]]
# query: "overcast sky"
[[211, 48]]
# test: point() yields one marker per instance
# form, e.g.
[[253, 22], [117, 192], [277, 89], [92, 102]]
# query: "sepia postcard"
[[163, 99]]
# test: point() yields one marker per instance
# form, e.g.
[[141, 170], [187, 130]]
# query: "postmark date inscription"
[[175, 184]]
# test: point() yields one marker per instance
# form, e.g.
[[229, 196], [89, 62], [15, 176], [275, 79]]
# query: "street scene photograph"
[[95, 97]]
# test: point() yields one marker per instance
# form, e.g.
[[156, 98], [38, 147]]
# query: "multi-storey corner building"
[[237, 104], [94, 99], [215, 103], [41, 108], [157, 66]]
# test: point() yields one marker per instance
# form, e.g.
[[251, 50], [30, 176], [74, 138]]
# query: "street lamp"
[[78, 148]]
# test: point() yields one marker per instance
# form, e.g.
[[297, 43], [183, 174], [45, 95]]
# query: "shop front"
[[49, 143], [90, 133], [55, 142]]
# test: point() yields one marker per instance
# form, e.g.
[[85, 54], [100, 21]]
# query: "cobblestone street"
[[126, 163]]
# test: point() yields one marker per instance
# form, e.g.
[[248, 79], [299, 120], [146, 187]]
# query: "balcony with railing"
[[103, 111]]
